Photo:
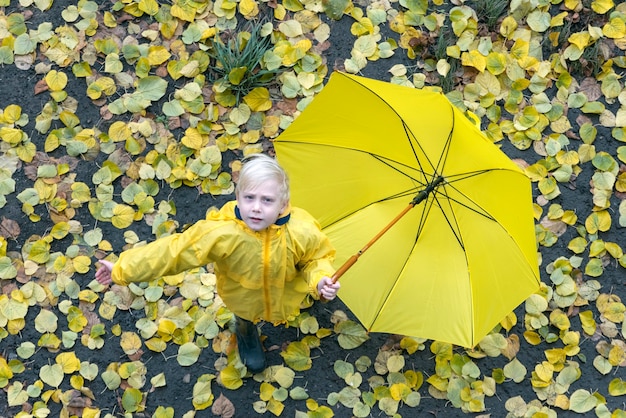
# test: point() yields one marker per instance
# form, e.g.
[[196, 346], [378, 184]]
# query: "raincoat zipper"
[[266, 265]]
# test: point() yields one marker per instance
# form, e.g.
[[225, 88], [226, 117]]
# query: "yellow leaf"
[[508, 26], [112, 64], [11, 114], [532, 337], [520, 50], [11, 135], [192, 139], [258, 99], [81, 264], [617, 387], [602, 6], [69, 362], [109, 20], [119, 131], [615, 28], [275, 407], [580, 39], [166, 327], [236, 75], [267, 390], [474, 59], [39, 252], [130, 343], [56, 80], [123, 216], [158, 54], [598, 221], [617, 355], [60, 230], [496, 63], [544, 371], [150, 7], [156, 344], [88, 295], [558, 20], [240, 115], [248, 8], [230, 378], [614, 312]]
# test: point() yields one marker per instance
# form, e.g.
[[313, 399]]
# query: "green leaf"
[[23, 45], [236, 75], [188, 354], [52, 374], [132, 400], [46, 321], [297, 355], [202, 393], [576, 100], [515, 370], [111, 379], [7, 269], [26, 349], [351, 334], [16, 395], [334, 9], [617, 387], [582, 401], [152, 87]]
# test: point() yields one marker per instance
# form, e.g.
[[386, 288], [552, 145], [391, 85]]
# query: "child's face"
[[261, 206]]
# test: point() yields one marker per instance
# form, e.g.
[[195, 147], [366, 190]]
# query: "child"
[[267, 255]]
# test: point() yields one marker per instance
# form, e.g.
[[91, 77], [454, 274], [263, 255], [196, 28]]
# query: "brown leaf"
[[521, 163], [9, 228], [223, 407], [591, 88], [288, 106], [41, 86], [161, 71], [105, 114], [512, 347], [555, 226]]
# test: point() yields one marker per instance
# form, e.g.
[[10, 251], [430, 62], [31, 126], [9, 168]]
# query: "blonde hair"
[[259, 168]]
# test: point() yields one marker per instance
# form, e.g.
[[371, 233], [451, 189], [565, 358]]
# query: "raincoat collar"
[[283, 218]]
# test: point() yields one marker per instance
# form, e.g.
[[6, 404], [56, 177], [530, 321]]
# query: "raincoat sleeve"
[[196, 247], [318, 253]]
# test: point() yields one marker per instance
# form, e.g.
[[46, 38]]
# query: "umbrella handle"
[[345, 266], [353, 259]]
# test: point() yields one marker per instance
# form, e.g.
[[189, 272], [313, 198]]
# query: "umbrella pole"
[[418, 198]]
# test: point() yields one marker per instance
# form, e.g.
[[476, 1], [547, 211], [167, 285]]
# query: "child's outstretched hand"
[[103, 274], [327, 289]]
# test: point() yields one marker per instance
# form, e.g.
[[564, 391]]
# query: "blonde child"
[[267, 255]]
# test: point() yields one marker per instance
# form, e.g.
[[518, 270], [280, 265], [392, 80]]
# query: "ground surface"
[[322, 381]]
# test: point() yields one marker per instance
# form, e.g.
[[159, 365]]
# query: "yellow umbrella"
[[450, 214]]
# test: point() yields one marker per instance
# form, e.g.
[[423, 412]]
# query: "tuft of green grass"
[[447, 82], [590, 62], [236, 64], [489, 11]]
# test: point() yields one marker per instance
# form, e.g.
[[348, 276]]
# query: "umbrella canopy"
[[462, 258]]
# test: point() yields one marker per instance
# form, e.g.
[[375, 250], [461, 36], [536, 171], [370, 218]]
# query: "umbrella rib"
[[413, 142]]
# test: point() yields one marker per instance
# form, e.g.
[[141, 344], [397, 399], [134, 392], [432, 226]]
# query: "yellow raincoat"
[[260, 275]]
